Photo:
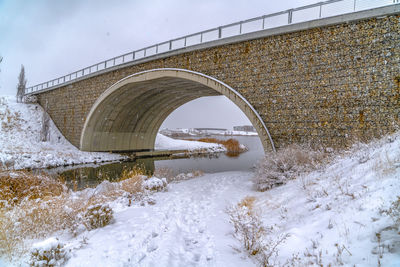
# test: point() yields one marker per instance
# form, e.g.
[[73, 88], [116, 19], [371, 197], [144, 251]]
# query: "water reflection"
[[79, 177]]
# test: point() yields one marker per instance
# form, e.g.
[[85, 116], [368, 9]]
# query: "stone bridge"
[[329, 82]]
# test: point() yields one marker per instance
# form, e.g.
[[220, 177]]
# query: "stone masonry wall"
[[328, 85]]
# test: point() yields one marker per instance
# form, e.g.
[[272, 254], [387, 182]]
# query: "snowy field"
[[165, 142], [20, 146], [336, 216]]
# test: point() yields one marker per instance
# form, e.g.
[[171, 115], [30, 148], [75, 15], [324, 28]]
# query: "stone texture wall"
[[329, 85]]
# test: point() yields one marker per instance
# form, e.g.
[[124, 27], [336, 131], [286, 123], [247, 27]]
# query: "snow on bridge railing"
[[287, 17]]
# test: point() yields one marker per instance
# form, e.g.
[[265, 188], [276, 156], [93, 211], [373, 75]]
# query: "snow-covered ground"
[[165, 142], [20, 145], [332, 217]]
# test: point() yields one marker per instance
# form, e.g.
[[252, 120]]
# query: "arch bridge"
[[328, 81]]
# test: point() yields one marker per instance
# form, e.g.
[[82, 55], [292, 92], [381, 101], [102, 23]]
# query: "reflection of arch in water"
[[128, 115]]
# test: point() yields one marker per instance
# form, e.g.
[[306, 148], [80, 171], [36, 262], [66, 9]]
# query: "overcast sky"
[[53, 38]]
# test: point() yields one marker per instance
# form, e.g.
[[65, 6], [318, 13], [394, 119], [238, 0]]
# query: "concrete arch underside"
[[128, 115]]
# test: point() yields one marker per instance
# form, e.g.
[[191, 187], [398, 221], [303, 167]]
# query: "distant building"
[[244, 128]]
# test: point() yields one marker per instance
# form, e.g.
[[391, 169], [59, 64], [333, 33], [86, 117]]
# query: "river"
[[90, 175]]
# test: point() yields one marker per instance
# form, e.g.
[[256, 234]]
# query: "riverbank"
[[21, 148]]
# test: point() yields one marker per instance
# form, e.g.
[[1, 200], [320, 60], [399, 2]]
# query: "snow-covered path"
[[187, 227]]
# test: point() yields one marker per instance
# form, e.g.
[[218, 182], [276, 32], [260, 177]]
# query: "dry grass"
[[129, 173], [37, 206], [16, 186], [385, 165], [247, 202], [10, 120], [394, 211]]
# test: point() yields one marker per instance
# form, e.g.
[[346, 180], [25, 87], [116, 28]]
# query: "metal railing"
[[287, 17]]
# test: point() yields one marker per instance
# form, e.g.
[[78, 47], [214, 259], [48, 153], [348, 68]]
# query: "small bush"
[[254, 236], [155, 184], [48, 253], [247, 224], [285, 164], [98, 216]]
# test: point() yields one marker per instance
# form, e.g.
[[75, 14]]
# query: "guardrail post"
[[219, 32], [184, 42], [156, 48], [290, 16], [144, 53], [201, 37], [263, 23], [133, 56], [240, 28], [170, 45], [320, 10]]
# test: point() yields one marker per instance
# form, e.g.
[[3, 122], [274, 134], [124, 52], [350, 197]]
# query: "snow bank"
[[20, 145], [337, 216], [164, 142]]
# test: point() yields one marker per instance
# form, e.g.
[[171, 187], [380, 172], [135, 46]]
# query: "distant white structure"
[[244, 128], [182, 132]]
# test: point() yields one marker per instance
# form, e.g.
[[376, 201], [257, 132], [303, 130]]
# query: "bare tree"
[[21, 85]]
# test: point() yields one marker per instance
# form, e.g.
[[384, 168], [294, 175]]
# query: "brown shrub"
[[232, 145]]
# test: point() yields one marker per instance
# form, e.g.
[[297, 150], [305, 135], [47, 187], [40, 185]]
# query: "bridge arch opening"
[[128, 115]]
